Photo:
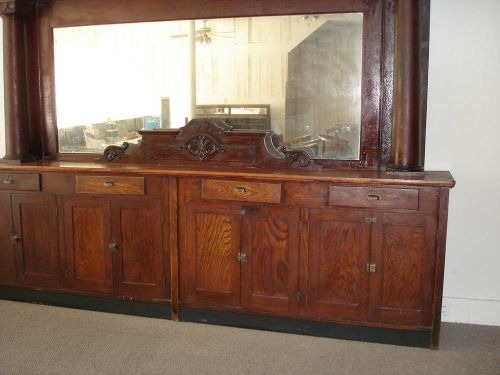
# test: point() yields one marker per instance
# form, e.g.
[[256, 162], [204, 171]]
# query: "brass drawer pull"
[[109, 184], [373, 196], [9, 181], [240, 189]]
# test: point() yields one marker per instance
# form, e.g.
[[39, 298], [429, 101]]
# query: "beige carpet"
[[37, 339]]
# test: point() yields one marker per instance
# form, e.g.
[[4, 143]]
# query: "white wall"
[[463, 133]]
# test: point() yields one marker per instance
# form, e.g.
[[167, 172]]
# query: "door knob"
[[15, 238]]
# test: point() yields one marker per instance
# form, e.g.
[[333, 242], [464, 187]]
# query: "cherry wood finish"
[[15, 16], [339, 250], [269, 274], [298, 258], [241, 191], [7, 259], [222, 220], [87, 234], [138, 256], [37, 251], [212, 270], [20, 181], [110, 185], [373, 197], [404, 251], [115, 246], [406, 153]]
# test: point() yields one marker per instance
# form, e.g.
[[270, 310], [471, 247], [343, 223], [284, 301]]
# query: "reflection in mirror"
[[299, 76]]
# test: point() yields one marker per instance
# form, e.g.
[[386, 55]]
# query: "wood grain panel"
[[241, 191], [20, 181], [7, 260], [402, 262], [373, 197], [404, 250], [138, 261], [214, 260], [337, 277], [110, 185], [212, 241], [270, 274], [37, 255], [87, 237]]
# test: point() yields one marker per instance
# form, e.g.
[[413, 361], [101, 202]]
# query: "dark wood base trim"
[[310, 328], [136, 308]]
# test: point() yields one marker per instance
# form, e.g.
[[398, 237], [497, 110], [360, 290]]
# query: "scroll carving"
[[203, 146], [7, 8], [115, 152], [300, 157]]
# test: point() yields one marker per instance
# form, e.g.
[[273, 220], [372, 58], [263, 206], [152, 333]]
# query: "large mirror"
[[299, 76]]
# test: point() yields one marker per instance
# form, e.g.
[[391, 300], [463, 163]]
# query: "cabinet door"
[[137, 232], [271, 260], [337, 284], [35, 222], [7, 261], [87, 239], [212, 269], [401, 289]]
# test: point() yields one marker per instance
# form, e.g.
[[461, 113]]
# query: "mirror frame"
[[395, 49]]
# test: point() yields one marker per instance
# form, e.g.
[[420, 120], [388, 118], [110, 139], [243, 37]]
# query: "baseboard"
[[471, 311], [137, 308], [309, 328]]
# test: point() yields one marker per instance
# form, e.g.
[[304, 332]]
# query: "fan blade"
[[178, 36]]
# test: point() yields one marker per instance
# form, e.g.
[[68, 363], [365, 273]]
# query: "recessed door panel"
[[401, 289], [338, 254], [137, 238], [87, 238], [212, 246], [270, 262], [35, 223]]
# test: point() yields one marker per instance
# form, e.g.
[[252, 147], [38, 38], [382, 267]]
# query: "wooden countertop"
[[427, 178]]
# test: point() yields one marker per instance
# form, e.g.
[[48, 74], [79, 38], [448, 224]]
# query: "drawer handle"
[[373, 196], [9, 181], [109, 184], [240, 189]]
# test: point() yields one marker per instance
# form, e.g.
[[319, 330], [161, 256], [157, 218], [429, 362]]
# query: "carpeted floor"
[[37, 339]]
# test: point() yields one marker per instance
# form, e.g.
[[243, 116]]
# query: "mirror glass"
[[299, 76]]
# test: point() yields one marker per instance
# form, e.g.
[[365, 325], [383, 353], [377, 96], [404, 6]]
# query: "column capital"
[[17, 7]]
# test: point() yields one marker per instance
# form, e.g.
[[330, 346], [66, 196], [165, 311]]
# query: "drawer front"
[[20, 181], [241, 191], [373, 197], [110, 185]]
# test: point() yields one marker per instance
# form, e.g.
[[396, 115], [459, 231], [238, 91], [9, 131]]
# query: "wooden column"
[[406, 150], [14, 15]]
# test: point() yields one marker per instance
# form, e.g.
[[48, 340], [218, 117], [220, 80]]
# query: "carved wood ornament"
[[115, 152], [203, 146]]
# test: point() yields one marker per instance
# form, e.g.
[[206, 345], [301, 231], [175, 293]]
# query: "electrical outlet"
[[444, 310]]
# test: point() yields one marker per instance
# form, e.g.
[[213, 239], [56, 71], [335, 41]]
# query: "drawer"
[[373, 197], [110, 185], [241, 191], [20, 181]]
